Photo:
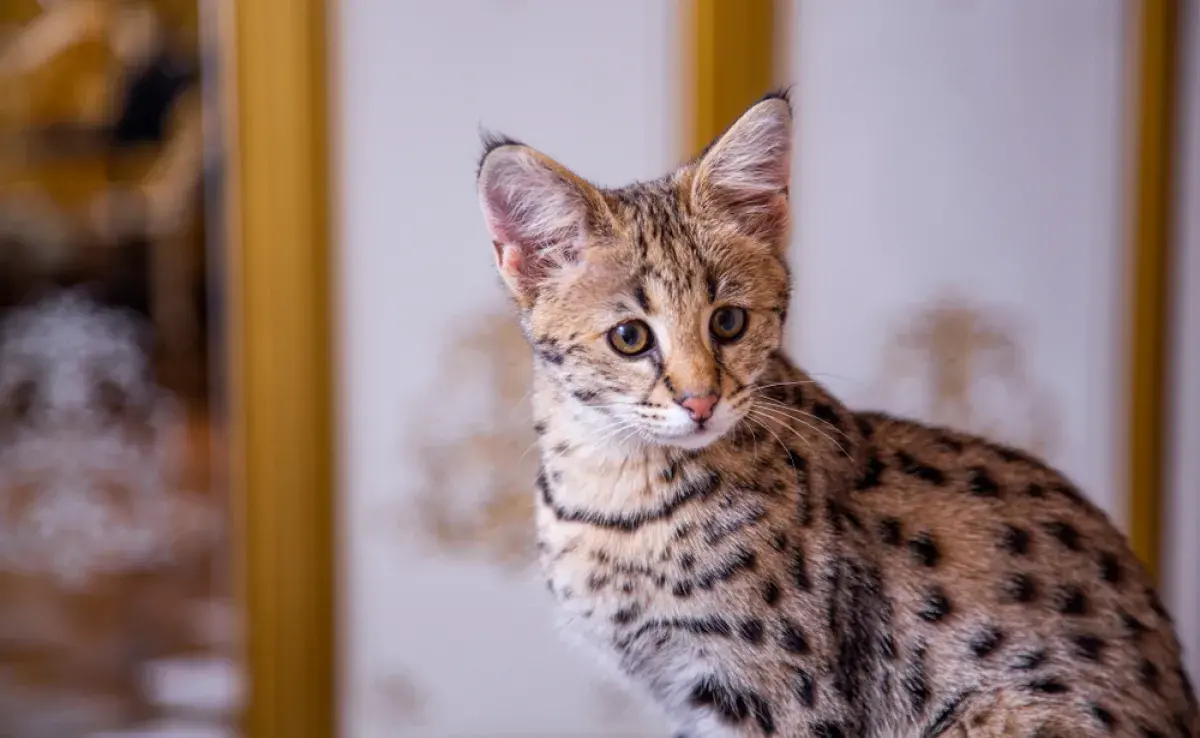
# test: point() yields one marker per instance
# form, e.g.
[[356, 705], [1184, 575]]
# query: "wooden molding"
[[1153, 119], [274, 76], [730, 62]]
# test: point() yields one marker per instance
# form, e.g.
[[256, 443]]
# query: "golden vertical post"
[[730, 62], [1154, 118], [281, 415]]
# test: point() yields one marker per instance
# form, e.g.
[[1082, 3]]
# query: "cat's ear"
[[537, 211], [744, 174]]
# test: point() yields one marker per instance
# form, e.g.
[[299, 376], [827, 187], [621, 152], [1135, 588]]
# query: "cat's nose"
[[700, 408]]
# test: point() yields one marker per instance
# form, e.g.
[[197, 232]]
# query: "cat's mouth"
[[694, 436]]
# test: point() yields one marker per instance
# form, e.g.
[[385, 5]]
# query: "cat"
[[750, 554]]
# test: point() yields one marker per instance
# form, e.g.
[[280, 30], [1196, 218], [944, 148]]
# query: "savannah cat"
[[752, 555]]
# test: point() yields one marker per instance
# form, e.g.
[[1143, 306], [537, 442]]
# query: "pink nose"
[[700, 408]]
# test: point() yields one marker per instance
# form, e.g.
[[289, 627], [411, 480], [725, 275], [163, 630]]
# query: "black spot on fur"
[[1110, 568], [860, 612], [760, 710], [1021, 587], [741, 560], [585, 395], [838, 515], [771, 593], [827, 730], [1029, 661], [683, 588], [946, 715], [982, 484], [887, 647], [890, 531], [704, 626], [873, 474], [985, 643], [539, 428], [916, 682], [1048, 686], [687, 561], [936, 606], [1015, 540], [909, 465], [1148, 674], [1072, 601], [728, 704], [791, 637], [924, 550], [1066, 534], [798, 568], [751, 630], [804, 510], [626, 615], [597, 581], [1088, 646], [1104, 716], [804, 688], [1156, 604], [1136, 628], [864, 426], [826, 414]]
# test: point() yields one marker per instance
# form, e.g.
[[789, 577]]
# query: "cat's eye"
[[727, 324], [631, 338]]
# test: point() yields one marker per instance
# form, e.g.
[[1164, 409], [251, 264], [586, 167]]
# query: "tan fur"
[[796, 568]]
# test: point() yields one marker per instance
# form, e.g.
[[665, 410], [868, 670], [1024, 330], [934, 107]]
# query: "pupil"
[[630, 334], [726, 320]]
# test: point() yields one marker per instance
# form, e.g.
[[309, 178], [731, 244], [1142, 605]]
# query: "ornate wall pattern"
[[958, 363]]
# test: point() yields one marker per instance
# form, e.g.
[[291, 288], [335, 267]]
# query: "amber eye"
[[631, 338], [728, 324]]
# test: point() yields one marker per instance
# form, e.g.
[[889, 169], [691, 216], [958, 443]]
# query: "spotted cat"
[[749, 553]]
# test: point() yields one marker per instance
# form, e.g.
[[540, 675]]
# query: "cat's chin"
[[693, 440]]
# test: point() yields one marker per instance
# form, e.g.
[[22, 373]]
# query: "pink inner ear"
[[511, 260], [499, 217]]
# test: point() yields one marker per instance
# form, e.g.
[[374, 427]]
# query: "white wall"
[[438, 644], [1183, 518], [969, 148]]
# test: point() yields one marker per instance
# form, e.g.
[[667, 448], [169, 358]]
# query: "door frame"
[[275, 119]]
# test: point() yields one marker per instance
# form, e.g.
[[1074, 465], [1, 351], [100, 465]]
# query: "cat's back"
[[1003, 573]]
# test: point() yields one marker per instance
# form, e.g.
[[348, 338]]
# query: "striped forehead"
[[666, 263]]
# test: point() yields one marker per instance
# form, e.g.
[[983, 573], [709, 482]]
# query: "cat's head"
[[653, 308]]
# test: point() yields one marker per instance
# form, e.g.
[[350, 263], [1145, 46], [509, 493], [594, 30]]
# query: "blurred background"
[[263, 425]]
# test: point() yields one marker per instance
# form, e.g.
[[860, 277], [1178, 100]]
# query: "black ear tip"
[[781, 93], [491, 141]]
